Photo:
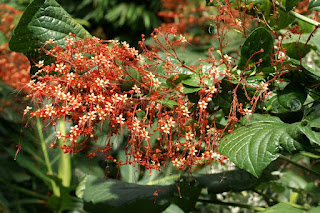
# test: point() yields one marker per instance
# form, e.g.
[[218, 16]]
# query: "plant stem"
[[310, 155], [64, 172], [281, 201], [55, 188], [299, 166], [25, 191], [255, 208], [299, 16]]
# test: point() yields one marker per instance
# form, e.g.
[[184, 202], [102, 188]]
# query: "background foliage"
[[277, 146]]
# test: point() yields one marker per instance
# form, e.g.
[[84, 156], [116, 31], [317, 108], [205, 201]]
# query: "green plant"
[[258, 107]]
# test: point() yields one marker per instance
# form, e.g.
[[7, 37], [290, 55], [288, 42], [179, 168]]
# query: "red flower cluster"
[[14, 67], [95, 82]]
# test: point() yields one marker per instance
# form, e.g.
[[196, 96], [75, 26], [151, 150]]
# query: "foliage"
[[163, 121]]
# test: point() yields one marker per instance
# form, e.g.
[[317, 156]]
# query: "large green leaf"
[[293, 96], [41, 21], [129, 172], [116, 196], [259, 142], [314, 5], [235, 180], [310, 126], [259, 39], [29, 164], [305, 74], [281, 207], [314, 210], [313, 41]]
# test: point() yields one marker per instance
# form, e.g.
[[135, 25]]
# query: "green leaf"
[[254, 146], [193, 81], [313, 41], [281, 207], [173, 83], [297, 50], [290, 4], [27, 163], [259, 39], [173, 208], [129, 172], [314, 210], [187, 89], [293, 180], [314, 5], [293, 96], [41, 21], [117, 196], [310, 126], [65, 201], [235, 180], [167, 103], [283, 19], [305, 75], [130, 79], [189, 192], [274, 106]]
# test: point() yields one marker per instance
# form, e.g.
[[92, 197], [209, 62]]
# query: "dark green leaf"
[[297, 50], [259, 39], [313, 41], [305, 74], [193, 97], [189, 192], [290, 4], [314, 5], [41, 21], [65, 201], [27, 163], [281, 207], [117, 196], [130, 79], [292, 96], [187, 89], [274, 106], [283, 19], [173, 83], [254, 146], [310, 126], [268, 70], [236, 180]]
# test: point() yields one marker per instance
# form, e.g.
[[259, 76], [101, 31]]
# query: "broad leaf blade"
[[259, 39], [281, 207], [314, 5], [235, 180], [290, 4], [129, 172], [310, 126], [117, 196], [293, 96], [41, 21], [254, 146]]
